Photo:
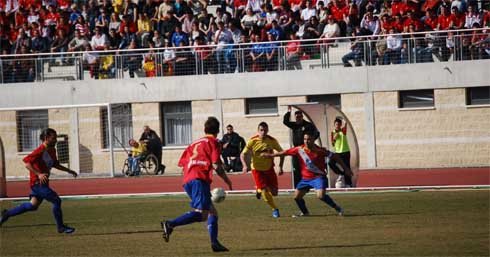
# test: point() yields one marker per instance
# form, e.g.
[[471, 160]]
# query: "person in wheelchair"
[[137, 152]]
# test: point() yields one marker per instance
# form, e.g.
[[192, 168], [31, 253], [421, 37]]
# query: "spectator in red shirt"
[[444, 19], [411, 20], [39, 164], [457, 19], [431, 20]]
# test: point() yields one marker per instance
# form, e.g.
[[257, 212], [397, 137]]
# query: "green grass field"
[[428, 223]]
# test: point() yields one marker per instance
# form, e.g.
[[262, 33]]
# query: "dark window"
[[29, 127], [333, 99], [478, 95], [122, 124], [416, 98], [265, 105], [177, 123]]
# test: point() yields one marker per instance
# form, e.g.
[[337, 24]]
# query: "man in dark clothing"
[[232, 147], [298, 127], [153, 144]]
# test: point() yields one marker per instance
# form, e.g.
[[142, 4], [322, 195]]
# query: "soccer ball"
[[340, 182], [218, 195]]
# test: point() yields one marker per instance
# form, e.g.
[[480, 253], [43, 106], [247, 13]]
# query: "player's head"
[[211, 126], [337, 123], [309, 139], [263, 129], [49, 137], [299, 116]]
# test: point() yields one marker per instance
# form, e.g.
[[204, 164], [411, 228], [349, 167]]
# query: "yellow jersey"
[[256, 146]]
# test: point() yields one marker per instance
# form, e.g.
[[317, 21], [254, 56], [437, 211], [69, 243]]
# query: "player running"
[[263, 168], [198, 161], [312, 164], [39, 164]]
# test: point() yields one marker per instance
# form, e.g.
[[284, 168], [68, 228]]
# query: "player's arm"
[[63, 168], [218, 167], [43, 177], [243, 158]]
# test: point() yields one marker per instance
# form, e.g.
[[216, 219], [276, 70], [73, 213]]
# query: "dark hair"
[[263, 124], [337, 120], [298, 112], [312, 134], [211, 126], [46, 132], [229, 126]]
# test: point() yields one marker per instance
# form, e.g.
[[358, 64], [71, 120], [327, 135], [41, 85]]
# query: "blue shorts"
[[42, 192], [200, 194], [316, 183]]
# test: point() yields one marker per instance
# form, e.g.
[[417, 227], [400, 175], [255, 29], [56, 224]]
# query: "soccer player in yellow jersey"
[[262, 167]]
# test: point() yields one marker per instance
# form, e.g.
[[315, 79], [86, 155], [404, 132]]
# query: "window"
[[333, 99], [29, 127], [478, 95], [177, 123], [265, 105], [416, 98], [122, 124]]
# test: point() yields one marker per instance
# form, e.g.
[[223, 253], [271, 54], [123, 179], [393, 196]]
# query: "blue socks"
[[329, 201], [302, 205], [187, 218], [25, 207], [213, 228], [58, 215]]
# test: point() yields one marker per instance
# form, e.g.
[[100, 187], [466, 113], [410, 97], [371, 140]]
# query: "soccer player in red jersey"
[[198, 161], [312, 163], [39, 164]]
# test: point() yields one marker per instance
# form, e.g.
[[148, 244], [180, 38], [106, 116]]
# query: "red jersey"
[[432, 22], [314, 158], [444, 21], [198, 158], [398, 8], [42, 159]]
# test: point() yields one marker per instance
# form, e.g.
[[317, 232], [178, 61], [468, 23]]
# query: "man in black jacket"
[[298, 127], [232, 147], [153, 144]]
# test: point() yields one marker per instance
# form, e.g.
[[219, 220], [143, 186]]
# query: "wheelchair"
[[148, 163]]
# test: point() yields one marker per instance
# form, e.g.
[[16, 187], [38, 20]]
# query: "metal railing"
[[394, 49]]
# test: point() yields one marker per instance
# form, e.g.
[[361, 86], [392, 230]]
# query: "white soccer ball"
[[218, 195], [340, 182]]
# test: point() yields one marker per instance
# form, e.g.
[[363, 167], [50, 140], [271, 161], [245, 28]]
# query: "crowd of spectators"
[[43, 26]]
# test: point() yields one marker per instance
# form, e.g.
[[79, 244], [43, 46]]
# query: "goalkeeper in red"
[[312, 163], [198, 161]]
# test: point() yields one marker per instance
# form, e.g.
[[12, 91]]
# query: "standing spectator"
[[339, 141], [299, 127], [263, 168], [153, 144], [132, 60], [198, 161], [169, 57], [39, 163], [313, 173], [393, 48], [233, 145], [271, 49], [205, 59], [224, 53]]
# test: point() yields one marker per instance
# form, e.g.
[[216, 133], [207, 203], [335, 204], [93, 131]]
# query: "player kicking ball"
[[313, 172], [198, 161], [39, 164]]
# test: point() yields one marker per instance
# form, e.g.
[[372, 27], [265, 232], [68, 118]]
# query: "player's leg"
[[346, 159], [320, 184], [199, 192], [213, 230], [263, 183], [32, 205], [52, 197], [300, 201]]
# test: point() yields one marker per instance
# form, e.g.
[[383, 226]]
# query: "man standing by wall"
[[232, 147], [298, 127]]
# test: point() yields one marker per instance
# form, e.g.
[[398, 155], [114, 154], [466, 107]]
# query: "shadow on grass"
[[120, 233], [313, 247], [27, 226], [378, 214]]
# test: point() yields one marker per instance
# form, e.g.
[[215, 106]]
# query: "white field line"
[[282, 191]]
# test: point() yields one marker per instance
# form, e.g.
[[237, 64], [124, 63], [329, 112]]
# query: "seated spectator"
[[357, 50], [144, 28], [114, 39], [137, 151], [99, 40], [103, 21], [249, 19], [471, 17], [233, 145], [393, 48], [115, 22], [331, 30], [59, 44], [126, 38], [77, 43], [158, 39], [179, 36]]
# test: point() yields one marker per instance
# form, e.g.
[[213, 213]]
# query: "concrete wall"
[[448, 135]]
